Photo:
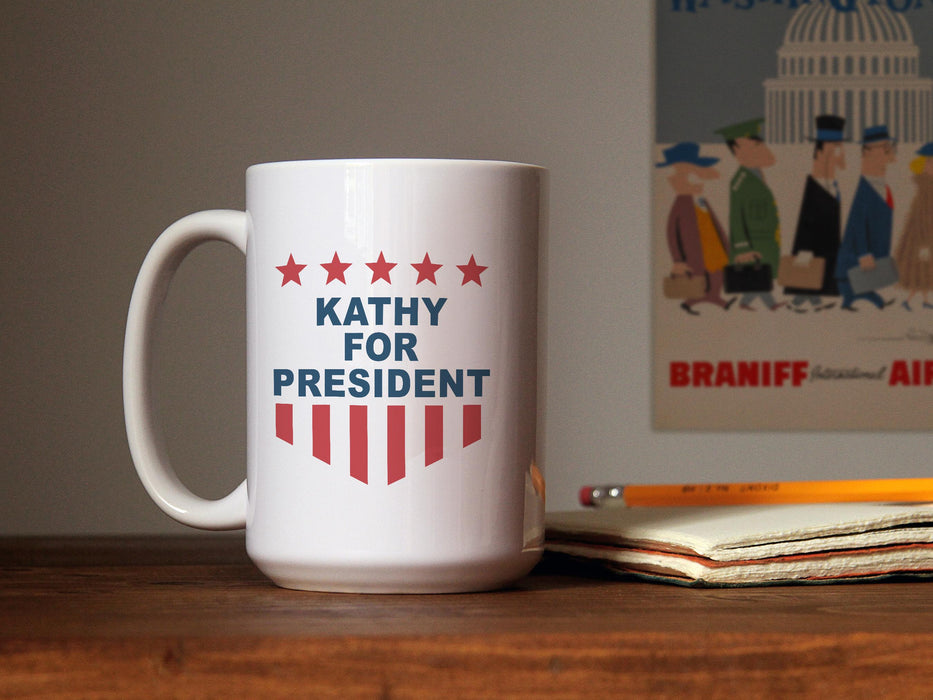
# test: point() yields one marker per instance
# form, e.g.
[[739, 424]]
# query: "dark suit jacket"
[[868, 229], [818, 230]]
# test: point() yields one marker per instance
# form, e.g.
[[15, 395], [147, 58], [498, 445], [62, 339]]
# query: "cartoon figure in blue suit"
[[867, 235]]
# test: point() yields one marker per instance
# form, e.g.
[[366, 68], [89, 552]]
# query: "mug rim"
[[390, 161]]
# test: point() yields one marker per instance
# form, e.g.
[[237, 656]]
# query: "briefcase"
[[687, 286], [884, 274], [755, 277], [801, 275]]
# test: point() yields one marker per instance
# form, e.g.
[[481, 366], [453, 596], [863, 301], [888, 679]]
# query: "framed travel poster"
[[792, 250]]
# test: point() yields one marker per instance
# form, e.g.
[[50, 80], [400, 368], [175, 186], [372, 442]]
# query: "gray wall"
[[116, 118]]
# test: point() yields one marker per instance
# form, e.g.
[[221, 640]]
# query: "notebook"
[[751, 545]]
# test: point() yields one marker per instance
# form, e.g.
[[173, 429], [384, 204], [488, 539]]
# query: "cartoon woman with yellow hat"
[[914, 253]]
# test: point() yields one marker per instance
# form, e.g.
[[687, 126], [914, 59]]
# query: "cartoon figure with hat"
[[914, 254], [754, 225], [819, 225], [695, 237], [867, 236]]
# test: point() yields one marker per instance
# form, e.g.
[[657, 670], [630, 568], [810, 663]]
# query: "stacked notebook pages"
[[751, 545]]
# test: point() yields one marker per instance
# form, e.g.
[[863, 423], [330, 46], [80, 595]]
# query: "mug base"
[[448, 577]]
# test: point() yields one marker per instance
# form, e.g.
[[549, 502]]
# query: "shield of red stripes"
[[434, 417]]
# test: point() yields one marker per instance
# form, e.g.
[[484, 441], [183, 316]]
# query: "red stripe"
[[359, 444], [433, 434], [320, 432], [283, 422], [395, 447], [472, 423]]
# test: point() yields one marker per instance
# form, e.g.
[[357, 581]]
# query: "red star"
[[426, 270], [290, 271], [381, 269], [335, 270], [471, 272]]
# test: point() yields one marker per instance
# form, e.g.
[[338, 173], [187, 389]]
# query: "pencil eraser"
[[586, 496]]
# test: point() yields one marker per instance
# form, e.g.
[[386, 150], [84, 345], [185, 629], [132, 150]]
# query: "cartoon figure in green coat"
[[754, 226]]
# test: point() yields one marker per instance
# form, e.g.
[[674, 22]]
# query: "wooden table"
[[190, 616]]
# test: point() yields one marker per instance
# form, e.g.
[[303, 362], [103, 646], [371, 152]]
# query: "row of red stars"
[[381, 269]]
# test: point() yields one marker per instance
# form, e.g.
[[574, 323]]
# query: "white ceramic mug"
[[391, 373]]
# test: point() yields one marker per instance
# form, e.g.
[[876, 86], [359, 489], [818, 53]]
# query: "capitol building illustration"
[[862, 65]]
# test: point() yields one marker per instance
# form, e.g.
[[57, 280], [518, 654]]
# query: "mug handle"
[[147, 446]]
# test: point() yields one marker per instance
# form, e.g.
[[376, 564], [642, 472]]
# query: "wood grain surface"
[[191, 617]]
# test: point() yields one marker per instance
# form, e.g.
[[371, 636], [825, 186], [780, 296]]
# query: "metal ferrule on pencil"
[[598, 496]]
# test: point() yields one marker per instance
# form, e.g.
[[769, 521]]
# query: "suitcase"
[[801, 276], [884, 274], [755, 277], [687, 286]]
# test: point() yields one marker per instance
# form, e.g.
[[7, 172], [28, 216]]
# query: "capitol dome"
[[861, 64], [821, 23]]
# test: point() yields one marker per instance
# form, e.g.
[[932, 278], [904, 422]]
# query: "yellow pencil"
[[744, 493]]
